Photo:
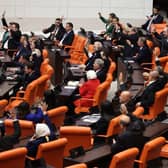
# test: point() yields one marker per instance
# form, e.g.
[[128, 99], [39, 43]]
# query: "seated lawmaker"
[[56, 30], [143, 54], [88, 89], [155, 83], [68, 37], [44, 132], [34, 114], [8, 141], [29, 75], [100, 70], [131, 137], [155, 18]]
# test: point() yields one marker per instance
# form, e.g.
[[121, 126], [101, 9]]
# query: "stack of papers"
[[93, 118]]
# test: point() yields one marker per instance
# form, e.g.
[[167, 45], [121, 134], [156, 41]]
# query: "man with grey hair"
[[98, 67], [154, 84], [92, 56]]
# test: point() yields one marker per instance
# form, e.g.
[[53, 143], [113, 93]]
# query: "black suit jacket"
[[7, 142], [14, 39], [130, 138], [157, 20], [69, 38], [144, 55], [58, 35]]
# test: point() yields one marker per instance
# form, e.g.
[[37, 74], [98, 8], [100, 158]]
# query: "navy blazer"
[[144, 55], [69, 38], [59, 35]]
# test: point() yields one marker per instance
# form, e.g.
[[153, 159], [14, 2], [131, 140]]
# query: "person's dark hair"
[[70, 24], [22, 110], [17, 25], [30, 65], [117, 18], [156, 7], [59, 19], [112, 15], [26, 36]]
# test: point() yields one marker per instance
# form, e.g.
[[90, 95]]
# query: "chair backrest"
[[159, 27], [151, 150], [52, 152], [45, 53], [166, 67], [13, 158], [31, 92], [3, 104], [57, 115], [77, 51], [114, 127], [112, 67], [82, 165], [109, 77], [155, 53], [76, 136], [159, 103], [27, 128], [163, 61], [42, 84], [101, 93], [124, 159]]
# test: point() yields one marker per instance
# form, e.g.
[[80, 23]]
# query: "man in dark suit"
[[100, 70], [14, 37], [68, 37], [56, 30], [144, 54], [131, 137], [155, 18], [156, 83], [30, 74]]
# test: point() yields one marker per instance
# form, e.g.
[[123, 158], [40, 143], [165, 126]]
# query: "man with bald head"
[[155, 83]]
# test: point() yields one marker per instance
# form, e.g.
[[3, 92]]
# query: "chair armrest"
[[138, 161], [19, 93], [15, 98], [30, 158], [102, 136], [138, 111], [68, 46]]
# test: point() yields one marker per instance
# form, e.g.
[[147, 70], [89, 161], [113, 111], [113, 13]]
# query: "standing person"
[[68, 37], [155, 18], [56, 30], [108, 22]]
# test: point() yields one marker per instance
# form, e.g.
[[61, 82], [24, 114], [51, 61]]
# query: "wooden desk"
[[4, 57], [156, 129], [93, 157], [7, 88], [57, 57]]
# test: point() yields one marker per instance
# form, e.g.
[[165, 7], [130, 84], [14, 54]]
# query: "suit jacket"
[[101, 74], [14, 39], [144, 55], [60, 33], [87, 90], [68, 38], [130, 138], [148, 96], [7, 142], [157, 20]]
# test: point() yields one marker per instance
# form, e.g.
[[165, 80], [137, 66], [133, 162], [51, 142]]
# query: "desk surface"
[[5, 58], [156, 129], [6, 87], [91, 156]]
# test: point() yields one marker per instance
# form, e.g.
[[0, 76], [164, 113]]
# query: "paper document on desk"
[[69, 87], [93, 118], [165, 121], [73, 83]]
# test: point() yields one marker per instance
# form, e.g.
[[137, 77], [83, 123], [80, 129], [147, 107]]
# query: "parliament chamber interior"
[[84, 84]]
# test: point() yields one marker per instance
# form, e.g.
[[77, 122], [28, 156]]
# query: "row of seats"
[[52, 152]]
